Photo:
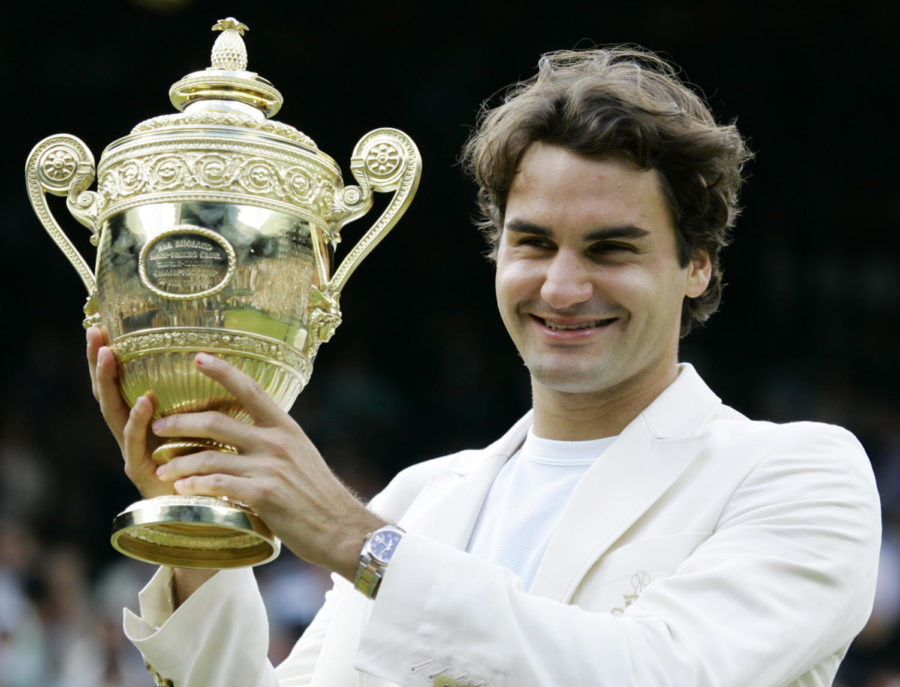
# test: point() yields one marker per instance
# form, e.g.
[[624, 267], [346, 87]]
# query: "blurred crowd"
[[60, 626]]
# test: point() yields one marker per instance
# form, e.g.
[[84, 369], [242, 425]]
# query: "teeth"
[[571, 327]]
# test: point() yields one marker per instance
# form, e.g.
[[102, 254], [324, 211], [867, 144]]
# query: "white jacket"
[[703, 549]]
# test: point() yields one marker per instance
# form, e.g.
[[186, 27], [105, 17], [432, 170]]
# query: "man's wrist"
[[347, 541], [186, 581]]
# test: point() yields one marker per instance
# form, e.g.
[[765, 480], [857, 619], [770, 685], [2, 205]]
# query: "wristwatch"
[[374, 558]]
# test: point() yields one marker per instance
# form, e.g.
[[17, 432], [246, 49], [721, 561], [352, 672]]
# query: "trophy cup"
[[215, 229]]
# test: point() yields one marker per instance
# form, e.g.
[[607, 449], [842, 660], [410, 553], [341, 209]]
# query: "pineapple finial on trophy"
[[229, 51], [227, 82]]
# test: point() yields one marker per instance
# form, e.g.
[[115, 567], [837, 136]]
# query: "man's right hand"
[[130, 427]]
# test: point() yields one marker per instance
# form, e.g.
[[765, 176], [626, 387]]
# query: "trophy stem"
[[194, 532]]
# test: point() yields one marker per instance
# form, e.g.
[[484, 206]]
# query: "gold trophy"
[[215, 228]]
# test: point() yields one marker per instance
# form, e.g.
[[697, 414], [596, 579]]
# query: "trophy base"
[[193, 532]]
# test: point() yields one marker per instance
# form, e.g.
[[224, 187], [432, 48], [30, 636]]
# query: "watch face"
[[383, 543]]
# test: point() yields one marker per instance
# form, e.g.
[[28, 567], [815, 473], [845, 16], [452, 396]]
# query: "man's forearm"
[[186, 581]]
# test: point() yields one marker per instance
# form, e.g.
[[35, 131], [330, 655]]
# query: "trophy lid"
[[227, 80], [227, 93]]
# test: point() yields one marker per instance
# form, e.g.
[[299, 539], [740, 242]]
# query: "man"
[[629, 530]]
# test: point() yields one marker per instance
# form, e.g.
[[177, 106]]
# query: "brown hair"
[[621, 100]]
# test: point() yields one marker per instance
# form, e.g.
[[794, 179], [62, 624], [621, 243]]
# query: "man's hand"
[[132, 432], [278, 472], [129, 426]]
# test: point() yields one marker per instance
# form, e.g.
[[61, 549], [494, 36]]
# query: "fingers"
[[95, 339], [139, 466], [218, 484], [113, 407], [104, 384], [264, 411], [210, 425], [134, 434], [204, 463], [211, 473]]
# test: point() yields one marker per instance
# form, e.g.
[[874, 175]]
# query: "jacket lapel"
[[449, 505], [633, 473], [446, 510]]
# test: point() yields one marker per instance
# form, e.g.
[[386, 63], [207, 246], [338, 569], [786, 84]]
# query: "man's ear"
[[699, 271]]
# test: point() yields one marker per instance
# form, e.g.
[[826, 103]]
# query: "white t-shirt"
[[526, 500]]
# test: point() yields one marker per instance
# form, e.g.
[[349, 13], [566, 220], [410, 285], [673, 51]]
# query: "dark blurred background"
[[421, 365]]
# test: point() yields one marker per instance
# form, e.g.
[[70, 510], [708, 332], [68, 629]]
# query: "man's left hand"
[[277, 471]]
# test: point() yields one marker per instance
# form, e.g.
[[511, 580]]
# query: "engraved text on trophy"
[[186, 263]]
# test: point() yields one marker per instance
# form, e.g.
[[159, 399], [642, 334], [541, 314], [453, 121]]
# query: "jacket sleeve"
[[220, 634], [782, 585]]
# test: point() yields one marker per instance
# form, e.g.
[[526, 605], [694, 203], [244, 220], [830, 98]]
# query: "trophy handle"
[[63, 165], [383, 160]]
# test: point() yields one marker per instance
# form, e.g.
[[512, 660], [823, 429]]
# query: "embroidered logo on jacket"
[[639, 582]]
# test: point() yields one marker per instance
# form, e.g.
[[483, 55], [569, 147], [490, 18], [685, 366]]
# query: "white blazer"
[[701, 549]]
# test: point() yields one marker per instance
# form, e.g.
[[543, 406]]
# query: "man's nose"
[[566, 282]]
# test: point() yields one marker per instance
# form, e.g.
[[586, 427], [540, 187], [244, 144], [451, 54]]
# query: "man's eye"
[[535, 242], [606, 248]]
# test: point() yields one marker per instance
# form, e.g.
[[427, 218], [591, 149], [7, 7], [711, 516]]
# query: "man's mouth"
[[561, 327]]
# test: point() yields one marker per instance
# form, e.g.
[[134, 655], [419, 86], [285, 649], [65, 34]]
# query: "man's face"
[[588, 281]]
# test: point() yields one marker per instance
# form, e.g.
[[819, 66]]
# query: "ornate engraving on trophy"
[[383, 159], [59, 163], [282, 178], [227, 119], [186, 262]]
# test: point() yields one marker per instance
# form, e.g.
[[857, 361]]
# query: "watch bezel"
[[378, 540]]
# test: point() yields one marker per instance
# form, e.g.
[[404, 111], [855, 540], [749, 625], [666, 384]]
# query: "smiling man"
[[590, 287], [630, 529]]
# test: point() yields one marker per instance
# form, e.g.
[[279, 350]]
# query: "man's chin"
[[569, 381]]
